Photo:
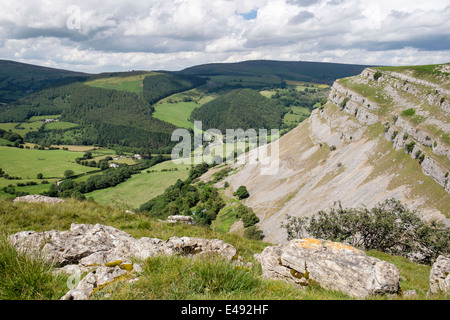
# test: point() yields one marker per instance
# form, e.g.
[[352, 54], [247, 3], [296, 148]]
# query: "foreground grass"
[[24, 278], [205, 278], [162, 277]]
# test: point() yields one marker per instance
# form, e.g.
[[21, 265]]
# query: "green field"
[[298, 114], [27, 163], [176, 113], [129, 84], [4, 142], [140, 188], [177, 108], [21, 128]]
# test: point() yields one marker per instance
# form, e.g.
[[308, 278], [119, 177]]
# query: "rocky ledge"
[[107, 253], [104, 254]]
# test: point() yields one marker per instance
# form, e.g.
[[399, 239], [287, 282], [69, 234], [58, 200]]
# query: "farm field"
[[27, 163], [129, 84], [298, 114], [21, 128], [176, 113], [177, 108], [140, 188]]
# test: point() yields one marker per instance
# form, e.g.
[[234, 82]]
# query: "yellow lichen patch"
[[340, 246], [315, 243], [296, 274], [309, 243], [126, 266], [113, 263]]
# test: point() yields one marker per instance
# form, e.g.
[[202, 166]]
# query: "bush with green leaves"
[[389, 227], [242, 193], [253, 233], [247, 215], [377, 75]]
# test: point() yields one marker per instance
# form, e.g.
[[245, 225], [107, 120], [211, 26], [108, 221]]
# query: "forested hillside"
[[259, 73], [108, 117], [240, 109], [19, 79], [45, 102], [159, 86]]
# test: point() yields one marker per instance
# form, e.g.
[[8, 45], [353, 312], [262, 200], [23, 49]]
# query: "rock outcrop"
[[181, 219], [440, 276], [106, 252], [36, 198], [332, 265]]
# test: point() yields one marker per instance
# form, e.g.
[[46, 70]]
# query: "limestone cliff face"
[[362, 147]]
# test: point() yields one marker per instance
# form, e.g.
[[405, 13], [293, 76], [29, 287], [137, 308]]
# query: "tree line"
[[111, 177]]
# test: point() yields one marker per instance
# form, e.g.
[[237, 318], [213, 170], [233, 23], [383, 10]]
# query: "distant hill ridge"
[[319, 72], [20, 79]]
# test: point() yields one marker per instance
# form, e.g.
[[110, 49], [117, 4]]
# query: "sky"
[[121, 35]]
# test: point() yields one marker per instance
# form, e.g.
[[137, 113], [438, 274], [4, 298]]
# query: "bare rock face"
[[440, 276], [36, 198], [182, 219], [106, 252], [332, 265]]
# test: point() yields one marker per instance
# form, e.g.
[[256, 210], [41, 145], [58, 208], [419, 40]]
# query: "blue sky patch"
[[250, 15]]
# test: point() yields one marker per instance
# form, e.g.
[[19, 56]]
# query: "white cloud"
[[162, 34]]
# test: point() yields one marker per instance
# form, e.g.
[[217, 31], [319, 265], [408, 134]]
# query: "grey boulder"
[[331, 265]]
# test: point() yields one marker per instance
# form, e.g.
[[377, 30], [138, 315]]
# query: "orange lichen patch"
[[340, 246], [315, 243], [309, 243]]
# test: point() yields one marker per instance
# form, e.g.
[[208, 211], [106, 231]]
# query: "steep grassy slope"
[[360, 148]]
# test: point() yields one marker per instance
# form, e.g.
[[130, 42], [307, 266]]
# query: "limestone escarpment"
[[380, 135]]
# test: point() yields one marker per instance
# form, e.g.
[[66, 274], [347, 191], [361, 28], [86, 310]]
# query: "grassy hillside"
[[177, 108], [129, 83], [162, 278]]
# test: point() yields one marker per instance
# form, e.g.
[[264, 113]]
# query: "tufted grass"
[[25, 278], [206, 278]]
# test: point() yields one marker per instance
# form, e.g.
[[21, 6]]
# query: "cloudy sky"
[[98, 36]]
